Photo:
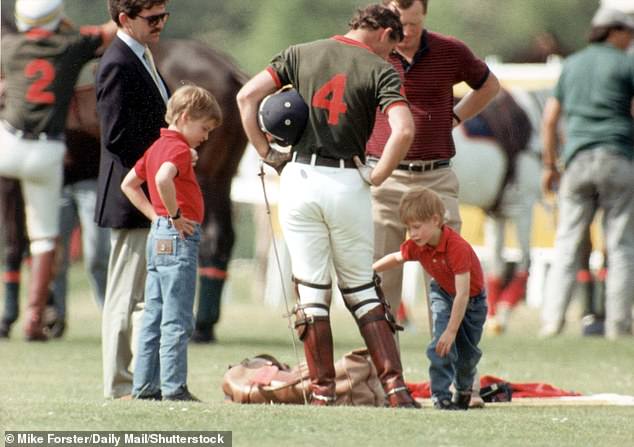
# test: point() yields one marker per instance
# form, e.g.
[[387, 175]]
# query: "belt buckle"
[[416, 166]]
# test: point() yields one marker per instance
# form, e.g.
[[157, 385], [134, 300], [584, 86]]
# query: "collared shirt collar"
[[422, 49], [139, 50], [136, 47], [165, 132], [350, 41]]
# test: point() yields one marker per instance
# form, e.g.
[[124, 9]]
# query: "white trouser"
[[326, 218], [38, 164]]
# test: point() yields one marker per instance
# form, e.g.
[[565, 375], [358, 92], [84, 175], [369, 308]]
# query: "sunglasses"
[[155, 19]]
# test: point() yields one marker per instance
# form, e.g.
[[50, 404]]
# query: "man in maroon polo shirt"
[[430, 64]]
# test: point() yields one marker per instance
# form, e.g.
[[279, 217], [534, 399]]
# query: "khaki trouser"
[[123, 309], [389, 232]]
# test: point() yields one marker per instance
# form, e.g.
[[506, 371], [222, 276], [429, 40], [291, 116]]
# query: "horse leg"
[[495, 277], [585, 282], [12, 219], [215, 252], [599, 288], [515, 291]]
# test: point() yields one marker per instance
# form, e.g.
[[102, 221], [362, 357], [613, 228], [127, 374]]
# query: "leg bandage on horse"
[[312, 323], [377, 326]]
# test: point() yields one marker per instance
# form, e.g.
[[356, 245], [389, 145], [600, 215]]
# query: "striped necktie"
[[147, 55]]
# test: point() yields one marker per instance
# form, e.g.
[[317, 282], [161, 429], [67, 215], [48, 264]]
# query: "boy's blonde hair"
[[199, 104], [421, 204]]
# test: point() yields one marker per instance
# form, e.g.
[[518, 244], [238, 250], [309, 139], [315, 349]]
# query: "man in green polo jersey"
[[325, 206], [40, 66], [594, 94]]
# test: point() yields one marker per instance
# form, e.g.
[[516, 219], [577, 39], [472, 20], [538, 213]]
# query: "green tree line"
[[253, 31]]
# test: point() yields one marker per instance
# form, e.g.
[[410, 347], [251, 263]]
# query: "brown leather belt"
[[30, 135], [329, 162], [416, 165]]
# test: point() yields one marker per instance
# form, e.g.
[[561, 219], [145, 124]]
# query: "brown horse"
[[186, 60], [179, 61]]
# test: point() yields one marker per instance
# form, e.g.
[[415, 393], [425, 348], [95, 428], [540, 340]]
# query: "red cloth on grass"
[[422, 390]]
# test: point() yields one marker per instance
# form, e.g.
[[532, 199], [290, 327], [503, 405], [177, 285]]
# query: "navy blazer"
[[132, 113]]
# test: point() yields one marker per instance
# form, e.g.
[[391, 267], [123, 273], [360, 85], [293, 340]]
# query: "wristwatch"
[[177, 215]]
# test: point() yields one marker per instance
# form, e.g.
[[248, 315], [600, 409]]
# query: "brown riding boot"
[[379, 338], [41, 274], [318, 348]]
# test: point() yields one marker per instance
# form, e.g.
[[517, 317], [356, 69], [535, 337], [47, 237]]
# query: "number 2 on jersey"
[[37, 91], [330, 97]]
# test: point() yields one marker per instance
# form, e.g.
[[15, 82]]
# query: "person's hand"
[[365, 171], [445, 342], [194, 153], [276, 159], [550, 179], [184, 226]]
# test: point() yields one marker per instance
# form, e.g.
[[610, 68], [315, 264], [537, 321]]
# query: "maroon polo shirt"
[[453, 255], [440, 63]]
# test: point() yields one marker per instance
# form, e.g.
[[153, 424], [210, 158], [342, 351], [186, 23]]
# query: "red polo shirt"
[[440, 63], [452, 255], [172, 147]]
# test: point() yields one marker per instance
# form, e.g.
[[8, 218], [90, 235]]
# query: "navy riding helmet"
[[283, 114]]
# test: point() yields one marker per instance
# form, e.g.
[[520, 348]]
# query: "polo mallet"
[[261, 174]]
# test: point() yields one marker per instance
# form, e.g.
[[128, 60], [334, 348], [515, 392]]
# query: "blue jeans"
[[459, 366], [78, 205], [168, 321]]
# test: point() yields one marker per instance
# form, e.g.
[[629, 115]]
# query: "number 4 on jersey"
[[330, 97]]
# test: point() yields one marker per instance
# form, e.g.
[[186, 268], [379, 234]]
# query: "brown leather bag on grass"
[[263, 379]]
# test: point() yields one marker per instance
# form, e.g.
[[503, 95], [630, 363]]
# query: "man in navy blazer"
[[131, 99]]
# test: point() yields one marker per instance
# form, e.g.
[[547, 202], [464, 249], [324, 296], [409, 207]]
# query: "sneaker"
[[153, 396], [462, 400], [444, 404], [591, 325], [56, 328], [203, 336], [183, 395]]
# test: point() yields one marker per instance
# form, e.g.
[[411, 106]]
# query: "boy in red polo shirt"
[[458, 299], [176, 210]]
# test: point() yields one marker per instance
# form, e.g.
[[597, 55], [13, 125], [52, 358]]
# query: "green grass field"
[[57, 385]]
